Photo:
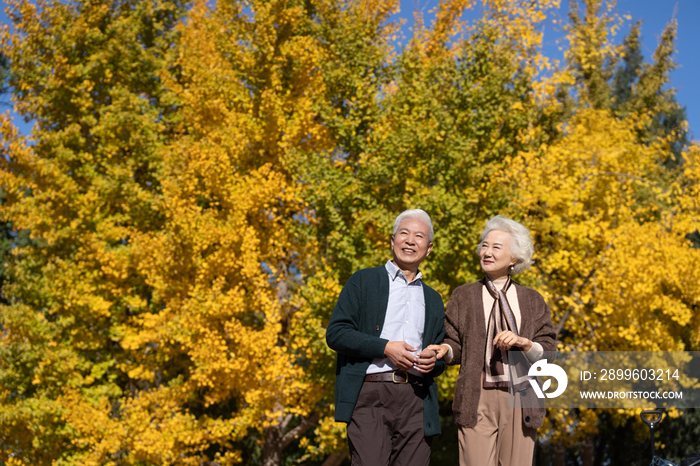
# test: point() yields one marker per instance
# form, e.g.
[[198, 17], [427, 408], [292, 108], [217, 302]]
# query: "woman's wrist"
[[448, 353]]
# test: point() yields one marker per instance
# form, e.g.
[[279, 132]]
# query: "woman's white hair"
[[521, 247], [415, 213]]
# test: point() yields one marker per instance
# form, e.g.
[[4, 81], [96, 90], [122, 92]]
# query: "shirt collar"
[[394, 272]]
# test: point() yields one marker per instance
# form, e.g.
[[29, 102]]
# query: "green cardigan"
[[354, 329]]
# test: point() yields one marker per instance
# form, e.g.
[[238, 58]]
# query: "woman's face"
[[495, 254]]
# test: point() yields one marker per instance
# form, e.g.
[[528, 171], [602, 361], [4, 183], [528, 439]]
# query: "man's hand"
[[426, 360], [398, 354], [507, 339]]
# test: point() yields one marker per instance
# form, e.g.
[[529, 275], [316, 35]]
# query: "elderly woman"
[[483, 321]]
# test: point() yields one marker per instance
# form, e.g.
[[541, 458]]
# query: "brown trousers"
[[387, 426], [499, 437]]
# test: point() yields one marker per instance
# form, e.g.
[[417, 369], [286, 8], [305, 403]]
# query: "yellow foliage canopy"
[[612, 255]]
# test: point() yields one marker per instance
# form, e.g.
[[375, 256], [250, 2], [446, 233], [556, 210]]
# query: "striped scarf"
[[496, 367]]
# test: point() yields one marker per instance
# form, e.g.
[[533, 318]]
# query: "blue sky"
[[654, 15]]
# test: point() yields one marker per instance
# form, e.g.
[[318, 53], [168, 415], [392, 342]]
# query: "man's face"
[[411, 243]]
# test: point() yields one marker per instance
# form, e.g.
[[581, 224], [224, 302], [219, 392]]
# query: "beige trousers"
[[499, 437]]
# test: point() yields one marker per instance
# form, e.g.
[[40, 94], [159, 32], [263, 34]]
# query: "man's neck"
[[410, 274]]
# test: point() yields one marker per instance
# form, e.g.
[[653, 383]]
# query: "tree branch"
[[300, 429], [335, 459]]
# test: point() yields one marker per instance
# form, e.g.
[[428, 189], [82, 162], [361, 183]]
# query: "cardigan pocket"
[[349, 383]]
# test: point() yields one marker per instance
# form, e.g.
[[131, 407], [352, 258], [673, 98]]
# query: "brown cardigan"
[[465, 329]]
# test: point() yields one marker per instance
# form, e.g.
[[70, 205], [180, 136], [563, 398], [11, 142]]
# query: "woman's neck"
[[500, 282]]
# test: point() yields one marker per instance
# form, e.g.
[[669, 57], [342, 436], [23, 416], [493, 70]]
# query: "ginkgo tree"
[[153, 322], [429, 126], [203, 178], [84, 72], [612, 255], [609, 206]]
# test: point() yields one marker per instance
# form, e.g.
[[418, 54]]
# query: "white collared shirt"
[[405, 316]]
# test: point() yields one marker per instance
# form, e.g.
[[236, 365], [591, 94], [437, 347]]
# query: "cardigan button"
[[527, 418], [377, 328]]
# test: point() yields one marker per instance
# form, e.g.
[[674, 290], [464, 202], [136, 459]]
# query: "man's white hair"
[[415, 213], [521, 247]]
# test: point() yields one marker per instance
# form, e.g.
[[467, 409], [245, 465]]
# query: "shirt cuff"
[[450, 354], [535, 353]]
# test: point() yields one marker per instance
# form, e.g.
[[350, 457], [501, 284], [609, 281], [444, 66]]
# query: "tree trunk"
[[272, 450], [559, 455], [276, 439], [588, 450]]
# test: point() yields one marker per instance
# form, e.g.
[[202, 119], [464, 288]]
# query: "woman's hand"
[[440, 350], [507, 339]]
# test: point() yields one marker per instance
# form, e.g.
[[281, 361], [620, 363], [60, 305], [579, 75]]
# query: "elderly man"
[[384, 386]]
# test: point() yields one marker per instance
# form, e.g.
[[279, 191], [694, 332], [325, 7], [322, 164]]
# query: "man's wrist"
[[386, 347]]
